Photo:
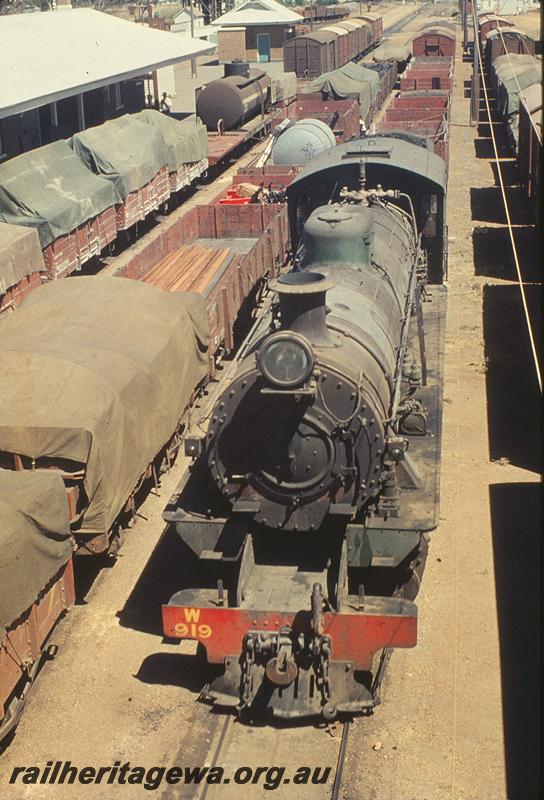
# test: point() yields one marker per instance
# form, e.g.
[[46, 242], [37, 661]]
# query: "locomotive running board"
[[419, 507]]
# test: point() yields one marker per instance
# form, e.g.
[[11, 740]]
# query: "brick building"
[[255, 30]]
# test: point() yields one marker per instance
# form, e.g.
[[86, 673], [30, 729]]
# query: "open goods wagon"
[[342, 116], [106, 427], [223, 252], [21, 264], [530, 144], [36, 579], [73, 211], [427, 73], [423, 113], [79, 194], [321, 12]]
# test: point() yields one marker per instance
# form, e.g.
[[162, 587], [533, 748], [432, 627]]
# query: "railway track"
[[396, 27], [224, 752], [241, 749]]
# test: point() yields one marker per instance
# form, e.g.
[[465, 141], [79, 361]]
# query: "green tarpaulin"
[[34, 538], [126, 151], [51, 190], [186, 140], [393, 48], [350, 81], [514, 73], [97, 371]]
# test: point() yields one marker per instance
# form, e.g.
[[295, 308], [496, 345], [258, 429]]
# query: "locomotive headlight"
[[286, 359]]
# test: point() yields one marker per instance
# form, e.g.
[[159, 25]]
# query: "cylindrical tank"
[[233, 100], [302, 141]]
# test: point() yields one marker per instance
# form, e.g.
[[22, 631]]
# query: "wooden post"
[[80, 112], [475, 93], [193, 60], [156, 89]]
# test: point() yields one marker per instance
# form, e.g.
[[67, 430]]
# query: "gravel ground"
[[458, 714]]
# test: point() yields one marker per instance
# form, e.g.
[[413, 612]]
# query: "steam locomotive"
[[307, 510]]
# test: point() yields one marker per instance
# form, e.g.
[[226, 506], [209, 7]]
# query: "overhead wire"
[[506, 208]]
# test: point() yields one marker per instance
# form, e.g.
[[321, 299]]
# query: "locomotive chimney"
[[302, 305]]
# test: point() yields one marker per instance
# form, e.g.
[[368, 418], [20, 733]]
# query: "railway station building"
[[66, 70], [255, 31]]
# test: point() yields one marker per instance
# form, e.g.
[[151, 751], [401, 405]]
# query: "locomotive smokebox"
[[302, 305]]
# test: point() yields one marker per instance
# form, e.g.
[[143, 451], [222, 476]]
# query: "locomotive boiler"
[[302, 515]]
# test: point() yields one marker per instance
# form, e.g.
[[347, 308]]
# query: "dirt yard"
[[458, 719]]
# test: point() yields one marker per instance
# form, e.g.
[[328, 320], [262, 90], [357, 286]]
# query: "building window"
[[107, 96], [118, 96]]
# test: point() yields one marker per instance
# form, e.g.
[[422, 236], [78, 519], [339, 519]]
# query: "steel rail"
[[337, 786], [507, 212]]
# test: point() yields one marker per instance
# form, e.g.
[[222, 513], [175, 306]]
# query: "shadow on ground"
[[515, 515], [162, 576], [190, 672], [513, 397], [487, 205], [493, 256]]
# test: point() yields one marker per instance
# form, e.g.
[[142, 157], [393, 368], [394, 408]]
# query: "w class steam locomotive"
[[307, 510]]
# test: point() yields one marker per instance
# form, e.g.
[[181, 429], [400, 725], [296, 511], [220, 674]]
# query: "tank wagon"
[[228, 102], [306, 514]]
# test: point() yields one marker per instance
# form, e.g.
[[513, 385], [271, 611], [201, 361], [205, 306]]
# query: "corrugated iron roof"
[[259, 12], [48, 56]]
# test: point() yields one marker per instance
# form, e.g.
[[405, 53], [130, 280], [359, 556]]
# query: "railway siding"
[[454, 706]]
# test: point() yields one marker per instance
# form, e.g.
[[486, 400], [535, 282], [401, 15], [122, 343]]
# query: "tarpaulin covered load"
[[20, 254], [514, 73], [98, 370], [126, 151], [34, 538], [186, 140], [350, 80], [393, 49], [51, 190], [532, 98]]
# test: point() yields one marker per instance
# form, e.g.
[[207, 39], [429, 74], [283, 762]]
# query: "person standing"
[[166, 103]]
